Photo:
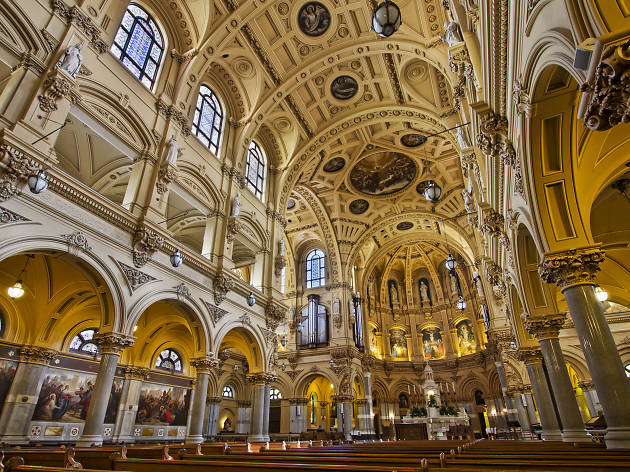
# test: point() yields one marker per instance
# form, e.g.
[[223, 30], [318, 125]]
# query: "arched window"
[[169, 359], [256, 168], [313, 408], [274, 394], [139, 44], [228, 392], [315, 269], [208, 119], [627, 369], [82, 343]]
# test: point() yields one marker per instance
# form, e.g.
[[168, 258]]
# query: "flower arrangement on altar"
[[432, 402], [418, 412]]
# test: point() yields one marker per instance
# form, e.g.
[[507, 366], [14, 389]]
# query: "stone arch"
[[244, 338], [18, 35], [303, 381]]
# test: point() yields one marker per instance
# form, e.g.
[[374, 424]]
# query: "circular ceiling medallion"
[[313, 19], [344, 87], [335, 164], [404, 225], [359, 206], [413, 140], [421, 187], [290, 204], [383, 174]]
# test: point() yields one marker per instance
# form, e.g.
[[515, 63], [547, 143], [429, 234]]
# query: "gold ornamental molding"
[[545, 327], [136, 373], [113, 343], [573, 267], [37, 355], [203, 365], [261, 378]]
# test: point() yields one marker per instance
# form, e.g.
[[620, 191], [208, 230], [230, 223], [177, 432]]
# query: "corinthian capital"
[[203, 365], [275, 314], [572, 267], [545, 327], [113, 343], [530, 355], [261, 378], [37, 354]]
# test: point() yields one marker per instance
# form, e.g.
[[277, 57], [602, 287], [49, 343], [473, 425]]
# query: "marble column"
[[23, 394], [511, 411], [297, 422], [363, 416], [346, 402], [128, 406], [367, 385], [516, 397], [591, 398], [574, 272], [530, 406], [203, 366], [533, 361], [213, 406], [260, 406], [111, 346], [244, 418], [546, 330], [323, 415]]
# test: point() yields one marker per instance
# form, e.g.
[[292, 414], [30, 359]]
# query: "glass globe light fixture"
[[16, 290], [461, 304], [450, 262], [433, 192], [37, 183], [251, 300], [332, 363], [386, 19], [177, 258], [283, 367], [601, 294]]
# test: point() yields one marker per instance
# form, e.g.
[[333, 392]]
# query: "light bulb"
[[451, 262], [16, 291], [177, 258], [601, 294]]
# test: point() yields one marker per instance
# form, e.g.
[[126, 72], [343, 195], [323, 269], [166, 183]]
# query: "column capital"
[[37, 355], [586, 385], [213, 400], [138, 373], [243, 404], [530, 355], [342, 398], [203, 365], [298, 401], [545, 327], [261, 378], [323, 404], [573, 267], [361, 402], [517, 390], [113, 343]]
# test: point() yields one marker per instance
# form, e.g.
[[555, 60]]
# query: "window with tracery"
[[208, 119], [274, 394], [256, 168], [83, 342], [139, 44], [228, 392], [169, 359], [315, 269]]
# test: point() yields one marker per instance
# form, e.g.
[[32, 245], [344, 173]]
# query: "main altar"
[[437, 424]]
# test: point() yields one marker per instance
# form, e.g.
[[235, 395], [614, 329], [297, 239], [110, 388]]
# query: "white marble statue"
[[335, 306], [172, 152], [71, 61], [453, 283], [393, 293], [451, 35], [468, 201], [462, 138], [281, 247], [236, 205], [424, 292]]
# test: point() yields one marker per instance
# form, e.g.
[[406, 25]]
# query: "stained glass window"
[[208, 119], [228, 392], [83, 342], [169, 359], [256, 164], [315, 269], [274, 394], [139, 44]]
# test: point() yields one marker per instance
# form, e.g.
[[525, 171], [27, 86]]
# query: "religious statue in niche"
[[71, 60], [452, 35], [432, 343], [465, 338], [313, 19], [403, 401], [374, 342], [392, 286], [425, 292], [398, 343], [236, 205], [454, 282], [227, 425], [335, 306], [172, 152]]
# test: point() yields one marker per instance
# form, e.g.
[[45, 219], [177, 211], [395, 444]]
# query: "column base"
[[90, 440], [257, 439], [197, 439], [617, 437], [553, 435], [575, 435]]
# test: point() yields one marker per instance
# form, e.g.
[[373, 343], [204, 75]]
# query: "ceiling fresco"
[[383, 174]]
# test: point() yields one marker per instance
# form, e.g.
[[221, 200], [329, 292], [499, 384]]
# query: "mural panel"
[[383, 174], [7, 372], [398, 343], [65, 397], [163, 405], [314, 19], [466, 343], [432, 343]]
